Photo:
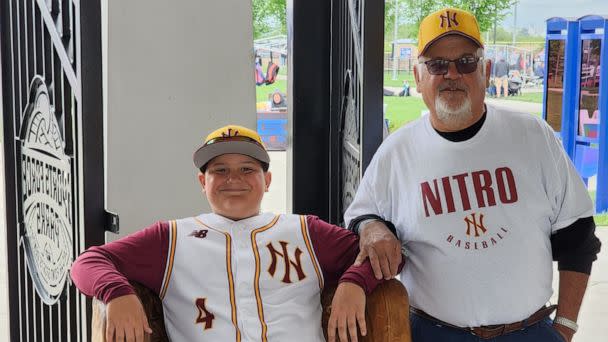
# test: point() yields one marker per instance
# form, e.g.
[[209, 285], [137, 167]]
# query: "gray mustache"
[[452, 86]]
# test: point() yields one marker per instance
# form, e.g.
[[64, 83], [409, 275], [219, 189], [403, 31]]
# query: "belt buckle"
[[488, 332]]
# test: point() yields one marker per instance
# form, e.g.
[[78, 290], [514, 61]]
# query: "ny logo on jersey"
[[201, 234], [451, 20], [297, 265], [204, 316], [477, 226]]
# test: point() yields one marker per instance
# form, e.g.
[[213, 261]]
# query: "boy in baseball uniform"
[[234, 274]]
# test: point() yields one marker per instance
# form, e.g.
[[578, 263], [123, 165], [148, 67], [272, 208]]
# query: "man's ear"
[[201, 179], [417, 77], [488, 70], [267, 179]]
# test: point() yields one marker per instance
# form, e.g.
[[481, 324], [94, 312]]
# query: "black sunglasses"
[[464, 65]]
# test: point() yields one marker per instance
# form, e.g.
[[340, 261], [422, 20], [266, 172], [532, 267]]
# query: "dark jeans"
[[424, 330]]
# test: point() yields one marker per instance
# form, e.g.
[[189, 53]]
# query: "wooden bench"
[[387, 314]]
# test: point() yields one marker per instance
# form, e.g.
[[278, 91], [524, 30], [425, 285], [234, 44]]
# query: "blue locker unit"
[[590, 132], [561, 63]]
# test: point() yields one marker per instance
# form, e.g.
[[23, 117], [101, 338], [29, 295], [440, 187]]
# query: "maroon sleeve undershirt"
[[336, 249], [102, 271]]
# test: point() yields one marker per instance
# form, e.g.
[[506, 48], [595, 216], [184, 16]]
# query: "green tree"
[[269, 18], [502, 36], [486, 11], [408, 30], [389, 17], [523, 34]]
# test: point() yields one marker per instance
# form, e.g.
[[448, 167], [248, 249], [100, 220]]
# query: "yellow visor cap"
[[444, 22], [231, 139]]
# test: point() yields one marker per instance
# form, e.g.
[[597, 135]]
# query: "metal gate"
[[335, 50], [53, 137], [357, 47]]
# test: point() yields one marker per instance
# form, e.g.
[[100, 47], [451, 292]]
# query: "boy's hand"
[[126, 320], [347, 310]]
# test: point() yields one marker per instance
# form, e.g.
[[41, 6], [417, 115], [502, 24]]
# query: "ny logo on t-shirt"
[[471, 221]]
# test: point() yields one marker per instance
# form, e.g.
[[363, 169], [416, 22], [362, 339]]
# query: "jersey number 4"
[[205, 317]]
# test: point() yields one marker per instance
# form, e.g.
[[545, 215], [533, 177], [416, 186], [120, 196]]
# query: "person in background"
[[406, 89], [501, 77]]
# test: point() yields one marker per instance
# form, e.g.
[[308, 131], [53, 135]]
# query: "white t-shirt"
[[476, 216]]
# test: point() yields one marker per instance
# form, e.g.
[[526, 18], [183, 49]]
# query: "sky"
[[533, 13]]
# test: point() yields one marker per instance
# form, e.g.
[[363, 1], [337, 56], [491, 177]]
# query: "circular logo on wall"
[[46, 195]]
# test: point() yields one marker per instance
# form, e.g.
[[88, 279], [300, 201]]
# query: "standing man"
[[539, 70], [501, 75], [482, 200]]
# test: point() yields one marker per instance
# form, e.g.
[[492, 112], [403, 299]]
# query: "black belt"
[[492, 331]]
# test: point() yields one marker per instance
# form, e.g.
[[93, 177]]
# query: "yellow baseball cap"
[[444, 22], [231, 139]]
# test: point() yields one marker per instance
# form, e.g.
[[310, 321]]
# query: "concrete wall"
[[173, 70]]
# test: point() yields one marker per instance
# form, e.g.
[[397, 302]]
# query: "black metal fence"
[[336, 48], [357, 48], [53, 149]]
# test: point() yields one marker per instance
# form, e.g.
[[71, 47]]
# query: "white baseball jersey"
[[267, 289], [477, 215]]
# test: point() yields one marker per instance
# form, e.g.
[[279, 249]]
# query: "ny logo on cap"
[[230, 133], [451, 20]]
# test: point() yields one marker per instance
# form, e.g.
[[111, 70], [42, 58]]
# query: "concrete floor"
[[593, 316], [592, 319]]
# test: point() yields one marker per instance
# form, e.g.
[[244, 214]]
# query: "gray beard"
[[453, 116]]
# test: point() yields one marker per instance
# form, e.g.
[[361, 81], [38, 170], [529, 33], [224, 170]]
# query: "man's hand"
[[126, 320], [384, 250], [566, 333], [347, 310]]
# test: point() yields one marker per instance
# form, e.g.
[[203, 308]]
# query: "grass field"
[[401, 76], [527, 97], [262, 92], [401, 110], [600, 219]]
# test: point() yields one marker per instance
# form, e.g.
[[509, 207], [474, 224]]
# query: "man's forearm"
[[572, 287]]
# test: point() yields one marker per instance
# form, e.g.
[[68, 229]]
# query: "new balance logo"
[[448, 20], [297, 264], [205, 317], [200, 234], [475, 226]]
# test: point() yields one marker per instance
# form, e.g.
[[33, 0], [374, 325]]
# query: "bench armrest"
[[387, 314]]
